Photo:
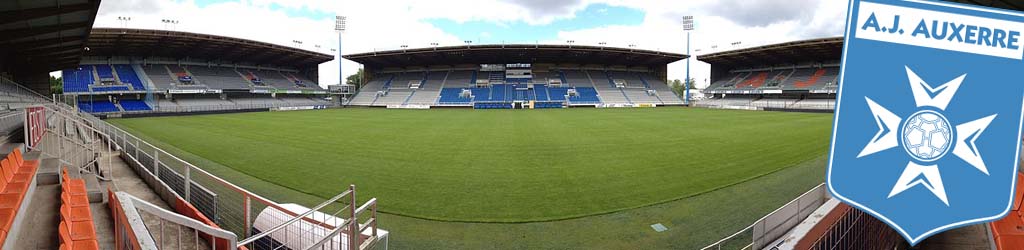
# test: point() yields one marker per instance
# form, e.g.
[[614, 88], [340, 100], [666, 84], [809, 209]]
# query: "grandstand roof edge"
[[773, 53], [104, 41], [514, 53]]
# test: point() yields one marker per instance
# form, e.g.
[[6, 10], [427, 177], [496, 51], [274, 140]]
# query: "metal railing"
[[141, 225], [57, 134], [224, 203], [855, 229], [775, 224]]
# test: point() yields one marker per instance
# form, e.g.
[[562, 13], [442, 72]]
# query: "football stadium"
[[173, 139]]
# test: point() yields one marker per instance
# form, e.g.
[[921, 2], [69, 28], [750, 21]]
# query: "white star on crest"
[[888, 128]]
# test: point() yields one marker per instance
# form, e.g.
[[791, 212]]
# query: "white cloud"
[[380, 25]]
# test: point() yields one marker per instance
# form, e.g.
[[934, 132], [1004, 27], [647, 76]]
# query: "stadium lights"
[[468, 41], [688, 27], [173, 23], [340, 23], [124, 21]]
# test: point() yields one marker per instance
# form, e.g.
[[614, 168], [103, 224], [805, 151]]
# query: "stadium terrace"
[[516, 76]]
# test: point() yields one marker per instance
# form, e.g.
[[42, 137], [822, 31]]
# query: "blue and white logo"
[[929, 114]]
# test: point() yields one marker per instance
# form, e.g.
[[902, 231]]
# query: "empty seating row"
[[585, 95], [77, 229], [128, 76], [78, 80], [134, 105], [82, 79], [18, 178], [97, 106], [453, 96], [786, 79]]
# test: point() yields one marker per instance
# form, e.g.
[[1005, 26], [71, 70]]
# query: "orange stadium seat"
[[75, 214], [22, 163], [73, 186], [10, 200], [74, 200], [6, 218], [10, 171], [70, 242], [12, 188], [79, 230]]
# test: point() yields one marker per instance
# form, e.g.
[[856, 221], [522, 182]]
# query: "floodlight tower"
[[688, 27], [339, 26]]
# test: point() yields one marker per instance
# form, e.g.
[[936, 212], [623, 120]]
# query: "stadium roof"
[[177, 44], [42, 36], [514, 53], [814, 50]]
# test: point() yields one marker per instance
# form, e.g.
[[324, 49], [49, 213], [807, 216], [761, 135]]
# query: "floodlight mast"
[[340, 23], [688, 27]]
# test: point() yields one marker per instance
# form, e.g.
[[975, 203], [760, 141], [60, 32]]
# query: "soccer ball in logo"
[[927, 136]]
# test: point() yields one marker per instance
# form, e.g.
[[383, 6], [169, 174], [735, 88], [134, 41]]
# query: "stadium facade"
[[515, 76], [799, 75], [70, 180], [145, 72]]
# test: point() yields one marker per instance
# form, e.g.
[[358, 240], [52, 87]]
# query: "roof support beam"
[[11, 16], [33, 31]]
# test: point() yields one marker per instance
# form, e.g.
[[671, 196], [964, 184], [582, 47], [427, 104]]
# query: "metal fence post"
[[353, 221], [156, 163], [247, 203], [188, 183]]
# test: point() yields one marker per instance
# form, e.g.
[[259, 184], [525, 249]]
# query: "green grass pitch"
[[501, 165]]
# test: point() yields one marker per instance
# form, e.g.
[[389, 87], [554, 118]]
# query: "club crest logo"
[[928, 120]]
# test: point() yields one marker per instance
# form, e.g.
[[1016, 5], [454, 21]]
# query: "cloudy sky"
[[388, 24]]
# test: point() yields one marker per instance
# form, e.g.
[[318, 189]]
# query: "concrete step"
[[7, 148], [48, 172]]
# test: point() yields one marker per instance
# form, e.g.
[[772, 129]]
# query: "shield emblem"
[[928, 119]]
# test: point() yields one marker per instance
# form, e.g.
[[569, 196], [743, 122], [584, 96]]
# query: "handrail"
[[358, 230], [719, 242], [176, 218], [294, 219]]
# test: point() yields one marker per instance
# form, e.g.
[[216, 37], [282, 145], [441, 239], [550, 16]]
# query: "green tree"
[[677, 86], [355, 79], [56, 85]]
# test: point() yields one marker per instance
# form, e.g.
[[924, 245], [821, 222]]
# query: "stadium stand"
[[586, 80], [134, 105], [798, 75], [430, 89], [161, 76], [127, 75], [78, 80], [98, 106], [77, 229], [219, 77]]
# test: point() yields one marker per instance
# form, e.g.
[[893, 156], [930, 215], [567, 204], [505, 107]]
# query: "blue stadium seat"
[[134, 105], [540, 92], [104, 71], [452, 96], [128, 76], [78, 80], [97, 106], [585, 95]]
